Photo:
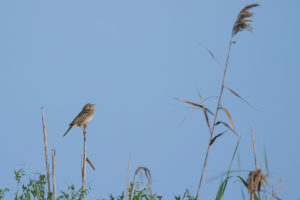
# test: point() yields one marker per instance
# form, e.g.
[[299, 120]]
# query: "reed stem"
[[215, 118], [46, 151], [84, 162], [53, 174]]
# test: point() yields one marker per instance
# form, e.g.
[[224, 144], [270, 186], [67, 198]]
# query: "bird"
[[85, 116]]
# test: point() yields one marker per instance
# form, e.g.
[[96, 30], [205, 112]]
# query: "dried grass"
[[237, 95], [227, 113], [256, 179], [205, 113], [195, 104]]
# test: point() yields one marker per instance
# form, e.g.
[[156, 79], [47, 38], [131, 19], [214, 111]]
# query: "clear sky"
[[131, 58]]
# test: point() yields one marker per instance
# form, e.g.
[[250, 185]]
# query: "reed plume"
[[243, 22]]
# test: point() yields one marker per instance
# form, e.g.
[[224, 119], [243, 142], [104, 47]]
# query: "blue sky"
[[131, 58]]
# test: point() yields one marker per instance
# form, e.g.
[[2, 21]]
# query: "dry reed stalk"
[[240, 24], [53, 174], [46, 151], [128, 177], [81, 162], [147, 176], [84, 162], [215, 119]]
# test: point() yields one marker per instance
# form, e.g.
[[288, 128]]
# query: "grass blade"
[[221, 189], [237, 95], [233, 156], [229, 118], [213, 140], [211, 54], [266, 161], [225, 124], [223, 185], [194, 104], [205, 113]]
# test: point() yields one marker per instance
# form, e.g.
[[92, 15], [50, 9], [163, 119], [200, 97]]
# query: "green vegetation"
[[36, 189]]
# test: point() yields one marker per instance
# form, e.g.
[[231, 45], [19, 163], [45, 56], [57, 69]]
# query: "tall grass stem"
[[53, 174], [215, 118], [46, 151]]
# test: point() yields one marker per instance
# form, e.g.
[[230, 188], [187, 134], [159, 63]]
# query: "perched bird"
[[83, 117]]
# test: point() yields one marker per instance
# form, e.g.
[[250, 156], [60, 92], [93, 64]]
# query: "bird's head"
[[89, 106]]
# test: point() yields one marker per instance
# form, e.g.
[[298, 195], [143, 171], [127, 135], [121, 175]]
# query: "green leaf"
[[222, 188], [246, 185], [223, 185], [266, 161]]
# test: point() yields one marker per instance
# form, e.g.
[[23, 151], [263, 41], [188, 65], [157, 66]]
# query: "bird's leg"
[[84, 129]]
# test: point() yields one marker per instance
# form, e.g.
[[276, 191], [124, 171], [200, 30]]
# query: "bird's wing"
[[80, 117]]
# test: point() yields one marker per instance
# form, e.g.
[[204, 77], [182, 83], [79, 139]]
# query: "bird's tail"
[[71, 126]]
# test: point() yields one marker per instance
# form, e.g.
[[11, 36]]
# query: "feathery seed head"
[[242, 21]]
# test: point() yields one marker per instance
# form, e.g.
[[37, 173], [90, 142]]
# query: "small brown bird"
[[83, 117]]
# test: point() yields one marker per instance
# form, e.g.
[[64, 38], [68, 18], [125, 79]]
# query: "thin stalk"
[[53, 174], [84, 162], [128, 177], [254, 151], [133, 187], [215, 118], [81, 162], [91, 164], [46, 151]]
